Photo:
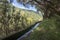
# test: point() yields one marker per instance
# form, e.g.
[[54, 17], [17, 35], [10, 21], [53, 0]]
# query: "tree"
[[50, 7]]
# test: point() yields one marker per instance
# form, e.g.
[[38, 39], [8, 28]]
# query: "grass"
[[49, 29]]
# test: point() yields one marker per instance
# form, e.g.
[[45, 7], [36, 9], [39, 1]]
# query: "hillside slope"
[[16, 19]]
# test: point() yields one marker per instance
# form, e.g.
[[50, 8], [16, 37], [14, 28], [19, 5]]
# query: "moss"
[[49, 29]]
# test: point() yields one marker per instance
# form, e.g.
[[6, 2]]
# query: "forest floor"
[[49, 29]]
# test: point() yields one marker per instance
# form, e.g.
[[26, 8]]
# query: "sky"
[[20, 5]]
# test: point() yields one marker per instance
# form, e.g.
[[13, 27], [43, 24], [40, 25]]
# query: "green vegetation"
[[14, 19], [49, 29]]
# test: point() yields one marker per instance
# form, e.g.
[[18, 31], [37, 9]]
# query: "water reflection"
[[20, 5]]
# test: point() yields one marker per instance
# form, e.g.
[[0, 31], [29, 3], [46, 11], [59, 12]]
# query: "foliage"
[[50, 7], [49, 29], [14, 19]]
